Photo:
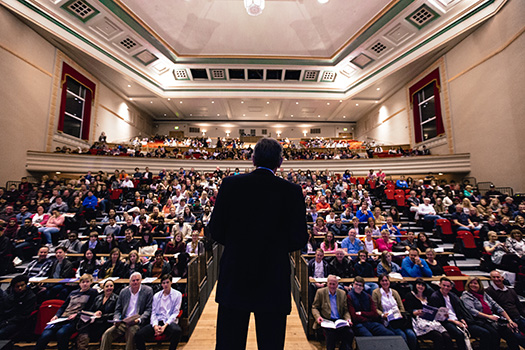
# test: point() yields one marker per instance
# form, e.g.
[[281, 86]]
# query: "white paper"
[[149, 279], [439, 250], [395, 275], [37, 279], [320, 280], [58, 320], [175, 279], [109, 278]]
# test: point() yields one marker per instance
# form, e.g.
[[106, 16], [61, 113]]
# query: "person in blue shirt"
[[351, 244], [347, 215], [90, 202], [364, 213], [413, 266], [392, 229], [338, 228], [401, 183]]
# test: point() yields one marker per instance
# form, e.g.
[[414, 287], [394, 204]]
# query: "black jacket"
[[248, 209], [65, 272], [18, 307], [107, 309], [118, 271], [437, 300]]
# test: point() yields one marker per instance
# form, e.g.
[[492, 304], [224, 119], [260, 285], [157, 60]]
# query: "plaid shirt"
[[38, 269]]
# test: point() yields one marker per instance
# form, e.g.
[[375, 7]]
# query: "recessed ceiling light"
[[191, 115], [267, 102], [169, 99], [297, 102], [150, 101], [242, 101], [322, 1], [357, 104], [328, 103], [377, 101], [318, 116], [340, 100], [244, 115], [180, 101], [129, 85], [164, 114], [378, 89], [344, 116], [266, 115], [212, 101], [291, 116], [131, 98], [218, 115]]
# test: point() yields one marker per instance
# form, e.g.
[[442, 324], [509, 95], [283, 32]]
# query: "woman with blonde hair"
[[387, 265], [320, 228]]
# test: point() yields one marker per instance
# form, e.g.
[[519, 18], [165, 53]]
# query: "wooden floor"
[[203, 336]]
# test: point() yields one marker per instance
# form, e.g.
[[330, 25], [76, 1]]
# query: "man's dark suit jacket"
[[259, 218]]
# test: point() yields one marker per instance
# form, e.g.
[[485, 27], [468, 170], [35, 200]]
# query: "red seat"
[[400, 200], [390, 186], [115, 194], [455, 271], [353, 180], [446, 230], [389, 195], [372, 185], [399, 192], [47, 310], [389, 183], [361, 180], [468, 239]]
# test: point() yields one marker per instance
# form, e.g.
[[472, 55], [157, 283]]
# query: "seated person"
[[390, 227], [364, 213], [413, 266], [93, 227], [133, 310], [351, 244], [128, 243], [461, 220], [338, 228], [356, 226], [17, 307], [93, 243], [388, 301], [88, 264], [426, 211], [6, 258], [425, 329], [103, 307], [347, 215], [385, 243], [60, 269], [500, 253], [487, 313], [158, 267], [364, 269], [72, 244], [78, 300], [40, 266], [515, 244], [369, 243], [433, 264], [508, 300], [176, 245], [26, 238], [164, 316], [181, 226], [195, 245], [386, 265], [112, 227], [423, 243], [134, 264], [329, 245], [410, 242], [324, 309], [322, 207], [113, 267], [317, 268], [363, 312], [341, 266], [320, 228], [458, 317]]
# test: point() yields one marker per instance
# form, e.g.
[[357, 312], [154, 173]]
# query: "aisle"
[[204, 335]]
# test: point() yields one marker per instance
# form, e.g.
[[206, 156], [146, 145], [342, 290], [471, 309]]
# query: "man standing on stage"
[[255, 277]]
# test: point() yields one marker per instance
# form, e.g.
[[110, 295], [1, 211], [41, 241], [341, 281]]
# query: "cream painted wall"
[[26, 68], [215, 129], [487, 97], [387, 124], [28, 106]]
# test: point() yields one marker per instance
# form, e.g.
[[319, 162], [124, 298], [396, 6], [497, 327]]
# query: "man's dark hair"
[[18, 279], [267, 153], [62, 248]]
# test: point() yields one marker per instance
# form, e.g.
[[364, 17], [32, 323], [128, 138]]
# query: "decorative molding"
[[70, 140], [26, 60]]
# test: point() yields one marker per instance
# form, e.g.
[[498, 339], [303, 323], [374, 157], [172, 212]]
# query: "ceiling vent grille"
[[181, 74], [218, 74], [311, 75], [128, 44], [80, 9], [328, 76], [379, 48], [422, 16]]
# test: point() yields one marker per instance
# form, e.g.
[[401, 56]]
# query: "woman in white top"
[[193, 246], [164, 316], [389, 304]]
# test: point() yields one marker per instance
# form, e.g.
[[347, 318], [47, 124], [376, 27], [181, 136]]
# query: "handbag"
[[468, 344]]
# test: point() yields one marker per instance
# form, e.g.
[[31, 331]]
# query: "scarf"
[[361, 301], [485, 307]]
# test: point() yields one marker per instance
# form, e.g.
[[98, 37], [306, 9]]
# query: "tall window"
[[75, 107], [426, 107], [74, 113]]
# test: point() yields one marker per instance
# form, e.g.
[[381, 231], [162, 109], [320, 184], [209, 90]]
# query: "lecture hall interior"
[[439, 75]]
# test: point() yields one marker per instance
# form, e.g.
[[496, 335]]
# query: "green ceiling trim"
[[83, 39], [376, 26], [442, 31]]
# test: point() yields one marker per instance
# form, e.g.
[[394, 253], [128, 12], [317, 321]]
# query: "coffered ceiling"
[[193, 60]]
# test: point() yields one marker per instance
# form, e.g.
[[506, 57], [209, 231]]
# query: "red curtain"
[[431, 78], [70, 72]]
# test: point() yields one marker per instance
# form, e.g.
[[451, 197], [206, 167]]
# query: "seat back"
[[455, 271], [389, 194], [47, 310], [398, 191], [446, 227], [400, 200]]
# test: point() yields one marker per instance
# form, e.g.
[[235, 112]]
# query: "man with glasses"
[[330, 303]]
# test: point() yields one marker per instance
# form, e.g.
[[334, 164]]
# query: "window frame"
[[69, 72]]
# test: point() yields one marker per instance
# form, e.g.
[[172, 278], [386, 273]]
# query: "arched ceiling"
[[210, 60]]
